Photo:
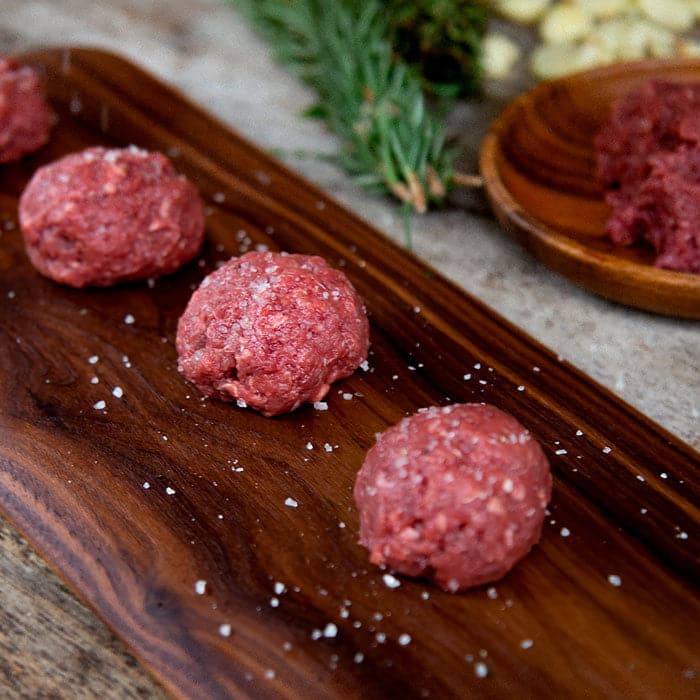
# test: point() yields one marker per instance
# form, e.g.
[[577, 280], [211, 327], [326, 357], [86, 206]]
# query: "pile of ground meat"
[[456, 494], [25, 116], [272, 331], [105, 216], [648, 159]]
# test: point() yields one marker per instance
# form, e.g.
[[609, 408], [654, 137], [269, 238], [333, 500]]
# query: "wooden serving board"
[[72, 476]]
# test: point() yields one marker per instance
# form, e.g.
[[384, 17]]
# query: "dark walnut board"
[[71, 476]]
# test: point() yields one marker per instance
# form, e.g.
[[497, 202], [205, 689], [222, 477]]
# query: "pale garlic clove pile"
[[579, 34]]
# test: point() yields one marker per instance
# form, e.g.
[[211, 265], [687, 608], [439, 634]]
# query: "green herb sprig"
[[393, 141]]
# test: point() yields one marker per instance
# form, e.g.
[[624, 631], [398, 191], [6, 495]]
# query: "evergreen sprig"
[[393, 141]]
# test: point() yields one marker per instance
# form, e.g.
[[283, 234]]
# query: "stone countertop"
[[50, 645]]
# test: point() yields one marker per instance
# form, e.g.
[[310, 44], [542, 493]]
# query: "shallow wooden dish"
[[538, 165], [72, 476]]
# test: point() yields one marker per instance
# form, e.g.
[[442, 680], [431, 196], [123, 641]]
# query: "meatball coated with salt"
[[104, 216], [25, 116], [456, 494], [272, 331]]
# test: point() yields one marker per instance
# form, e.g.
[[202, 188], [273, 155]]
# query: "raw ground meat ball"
[[647, 160], [105, 216], [457, 494], [25, 116], [272, 331]]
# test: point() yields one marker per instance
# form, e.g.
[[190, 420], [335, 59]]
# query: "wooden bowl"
[[538, 165]]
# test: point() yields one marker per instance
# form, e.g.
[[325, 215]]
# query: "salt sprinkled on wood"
[[129, 319], [330, 631], [320, 405], [99, 405], [117, 392], [225, 630], [146, 485], [565, 532], [481, 669], [290, 502], [169, 491], [391, 581], [93, 359], [614, 580], [526, 644], [200, 587], [404, 639]]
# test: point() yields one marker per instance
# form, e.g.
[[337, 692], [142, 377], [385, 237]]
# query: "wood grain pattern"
[[538, 164], [71, 476]]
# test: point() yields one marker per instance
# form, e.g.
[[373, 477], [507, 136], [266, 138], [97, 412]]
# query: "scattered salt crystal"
[[219, 197], [321, 406], [129, 319], [579, 433], [391, 581], [200, 587], [165, 438], [404, 639], [425, 595], [359, 657], [93, 359], [526, 644], [290, 502], [287, 646], [241, 403], [146, 485], [94, 380], [682, 535], [380, 637], [364, 366], [341, 524], [225, 630], [477, 365], [330, 631], [416, 309], [565, 532], [492, 593], [467, 377], [99, 405], [521, 388], [481, 669], [347, 396], [328, 447], [274, 602], [309, 446], [640, 478], [614, 580], [663, 475], [643, 511], [561, 452], [117, 392], [507, 486], [11, 294], [607, 450], [169, 491]]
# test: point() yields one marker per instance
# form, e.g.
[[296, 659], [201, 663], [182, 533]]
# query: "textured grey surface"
[[50, 646]]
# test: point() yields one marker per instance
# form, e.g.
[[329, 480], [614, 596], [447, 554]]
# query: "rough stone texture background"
[[50, 645]]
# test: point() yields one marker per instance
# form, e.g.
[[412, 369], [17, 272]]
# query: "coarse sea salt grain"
[[328, 447], [347, 396], [565, 532], [404, 639], [492, 593], [274, 602], [391, 581], [280, 588], [481, 669], [225, 630], [129, 319], [291, 503], [93, 359], [607, 450], [200, 587], [309, 446], [117, 392], [320, 405], [99, 405], [614, 580], [330, 630], [526, 644], [169, 491], [94, 380], [146, 485], [561, 452]]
